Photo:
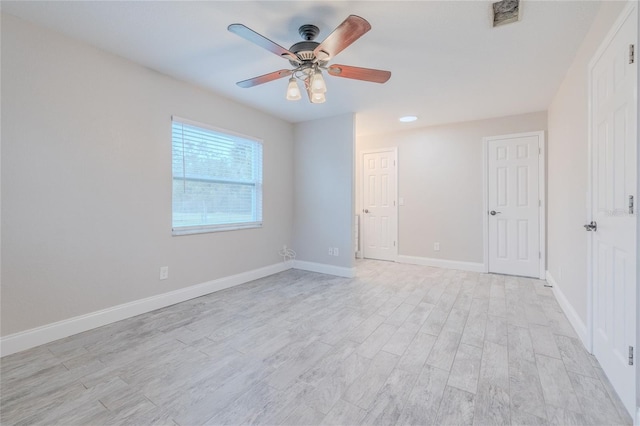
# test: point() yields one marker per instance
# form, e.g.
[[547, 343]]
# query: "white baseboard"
[[48, 333], [578, 325], [442, 263], [322, 268]]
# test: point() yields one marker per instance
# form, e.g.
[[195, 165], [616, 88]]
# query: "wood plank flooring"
[[397, 345]]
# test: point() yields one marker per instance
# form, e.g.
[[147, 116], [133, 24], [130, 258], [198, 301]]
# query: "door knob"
[[366, 210], [593, 226], [493, 212]]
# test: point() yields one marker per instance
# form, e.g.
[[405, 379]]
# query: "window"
[[217, 179]]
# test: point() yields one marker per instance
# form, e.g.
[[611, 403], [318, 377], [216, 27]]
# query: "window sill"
[[190, 230]]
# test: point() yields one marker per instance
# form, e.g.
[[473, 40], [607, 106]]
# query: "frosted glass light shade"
[[317, 83], [318, 98], [293, 91]]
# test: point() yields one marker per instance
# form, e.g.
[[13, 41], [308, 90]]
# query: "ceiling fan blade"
[[247, 33], [356, 73], [264, 78], [346, 33]]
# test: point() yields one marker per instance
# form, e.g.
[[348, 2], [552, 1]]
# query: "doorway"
[[513, 216], [379, 205]]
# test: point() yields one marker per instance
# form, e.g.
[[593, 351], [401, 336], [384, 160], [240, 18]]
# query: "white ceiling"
[[448, 64]]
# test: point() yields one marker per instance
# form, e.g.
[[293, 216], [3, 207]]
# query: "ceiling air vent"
[[505, 12]]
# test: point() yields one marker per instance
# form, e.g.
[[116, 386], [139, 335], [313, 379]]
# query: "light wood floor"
[[399, 344]]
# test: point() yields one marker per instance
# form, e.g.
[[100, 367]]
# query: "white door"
[[514, 203], [379, 212], [613, 241]]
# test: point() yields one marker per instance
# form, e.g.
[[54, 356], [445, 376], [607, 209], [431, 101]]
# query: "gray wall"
[[86, 181], [323, 190], [440, 179], [568, 169]]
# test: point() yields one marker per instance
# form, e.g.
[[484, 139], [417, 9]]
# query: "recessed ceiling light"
[[408, 118]]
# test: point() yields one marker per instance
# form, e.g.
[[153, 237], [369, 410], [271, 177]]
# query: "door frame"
[[542, 179], [394, 225]]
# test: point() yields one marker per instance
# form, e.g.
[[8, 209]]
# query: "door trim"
[[394, 225], [542, 232]]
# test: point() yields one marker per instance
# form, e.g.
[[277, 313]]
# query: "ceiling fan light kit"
[[309, 58]]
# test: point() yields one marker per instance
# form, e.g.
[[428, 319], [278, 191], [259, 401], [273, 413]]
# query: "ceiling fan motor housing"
[[304, 49]]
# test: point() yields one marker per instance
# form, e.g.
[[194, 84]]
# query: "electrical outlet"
[[436, 246], [330, 251], [164, 272], [336, 252]]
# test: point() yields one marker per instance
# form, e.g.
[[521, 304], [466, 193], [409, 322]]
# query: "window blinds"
[[217, 179]]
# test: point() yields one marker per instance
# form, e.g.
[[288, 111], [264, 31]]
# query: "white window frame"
[[257, 183]]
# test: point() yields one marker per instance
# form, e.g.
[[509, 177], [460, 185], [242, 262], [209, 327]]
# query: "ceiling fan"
[[309, 58]]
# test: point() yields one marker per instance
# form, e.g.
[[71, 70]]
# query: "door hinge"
[[632, 53], [394, 243], [539, 203], [630, 355], [630, 204], [539, 151]]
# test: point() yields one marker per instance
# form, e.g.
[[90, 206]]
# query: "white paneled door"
[[513, 204], [613, 189], [379, 212]]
